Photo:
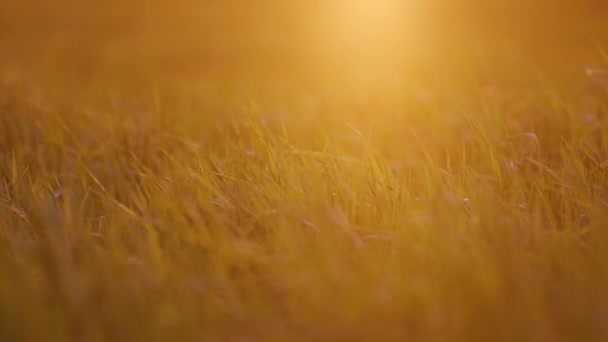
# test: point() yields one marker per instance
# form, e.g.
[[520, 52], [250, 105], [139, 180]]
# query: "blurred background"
[[300, 41]]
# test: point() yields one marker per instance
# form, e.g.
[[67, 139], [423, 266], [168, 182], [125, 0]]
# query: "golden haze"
[[303, 170]]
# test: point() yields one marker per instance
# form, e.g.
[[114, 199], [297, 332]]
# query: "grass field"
[[152, 196]]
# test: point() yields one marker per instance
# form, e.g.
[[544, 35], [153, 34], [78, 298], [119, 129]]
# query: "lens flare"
[[369, 34]]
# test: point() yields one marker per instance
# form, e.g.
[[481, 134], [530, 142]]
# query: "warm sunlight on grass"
[[303, 170]]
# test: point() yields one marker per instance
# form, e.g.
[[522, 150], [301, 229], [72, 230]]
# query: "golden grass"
[[470, 208]]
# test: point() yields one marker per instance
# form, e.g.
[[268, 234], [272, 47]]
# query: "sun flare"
[[370, 22], [369, 33]]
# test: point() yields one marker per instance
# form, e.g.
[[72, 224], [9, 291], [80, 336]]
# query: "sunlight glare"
[[370, 32]]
